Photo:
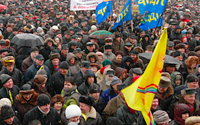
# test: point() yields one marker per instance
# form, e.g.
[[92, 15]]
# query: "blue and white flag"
[[103, 10], [124, 15]]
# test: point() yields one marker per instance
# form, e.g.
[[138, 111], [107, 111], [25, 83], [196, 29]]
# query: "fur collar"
[[32, 101], [162, 96], [92, 113]]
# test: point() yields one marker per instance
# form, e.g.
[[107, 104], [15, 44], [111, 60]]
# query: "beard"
[[108, 82]]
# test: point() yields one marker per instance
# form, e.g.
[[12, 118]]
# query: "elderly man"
[[89, 113], [46, 114]]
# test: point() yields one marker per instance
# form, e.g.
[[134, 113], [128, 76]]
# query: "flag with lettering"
[[151, 20], [124, 15], [103, 10], [157, 6], [140, 94]]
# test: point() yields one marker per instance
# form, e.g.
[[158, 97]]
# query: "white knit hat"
[[5, 101], [72, 111], [93, 27]]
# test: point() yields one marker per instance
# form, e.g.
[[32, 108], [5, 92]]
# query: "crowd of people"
[[76, 78]]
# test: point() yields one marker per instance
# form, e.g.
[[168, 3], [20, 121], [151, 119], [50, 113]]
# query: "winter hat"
[[106, 62], [192, 78], [108, 47], [180, 46], [39, 57], [34, 49], [77, 50], [64, 65], [39, 29], [57, 98], [188, 91], [72, 123], [40, 79], [94, 88], [119, 53], [115, 80], [6, 112], [161, 117], [192, 120], [72, 111], [164, 82], [54, 56], [137, 71], [4, 78], [85, 64], [5, 101], [26, 89], [86, 100], [43, 99], [70, 79], [102, 70], [134, 52], [93, 27], [8, 60], [42, 72], [197, 48]]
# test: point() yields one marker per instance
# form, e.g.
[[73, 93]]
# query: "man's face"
[[2, 46], [90, 80], [95, 95], [65, 51], [63, 71], [155, 104], [115, 87], [79, 55], [10, 120], [55, 62], [39, 62], [34, 54], [10, 68], [188, 35], [3, 54], [67, 36], [170, 69], [45, 108], [90, 48], [193, 85], [133, 56], [84, 108], [8, 84], [189, 98], [162, 90], [9, 29]]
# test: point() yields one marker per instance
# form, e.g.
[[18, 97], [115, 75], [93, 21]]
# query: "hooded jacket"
[[173, 78], [127, 59], [73, 68]]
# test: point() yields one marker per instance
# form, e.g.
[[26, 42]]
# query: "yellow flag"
[[139, 96]]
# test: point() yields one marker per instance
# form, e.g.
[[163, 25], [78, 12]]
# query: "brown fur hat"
[[190, 60], [197, 48], [8, 60], [180, 46], [40, 79], [54, 56], [57, 98], [192, 120]]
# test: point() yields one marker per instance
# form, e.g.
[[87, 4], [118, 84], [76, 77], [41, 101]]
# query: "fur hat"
[[164, 82], [72, 111], [119, 53], [6, 112], [161, 117], [5, 101], [8, 60], [192, 120], [4, 78], [40, 79], [180, 46], [57, 98], [43, 99], [54, 56], [197, 48], [86, 100], [26, 89], [42, 72], [70, 79]]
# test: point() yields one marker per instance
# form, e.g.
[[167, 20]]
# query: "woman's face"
[[67, 85], [58, 106], [185, 116], [55, 62], [193, 66], [27, 96], [74, 119], [72, 60], [119, 57]]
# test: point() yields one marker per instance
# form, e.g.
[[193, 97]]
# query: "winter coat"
[[39, 89], [117, 46], [86, 52], [22, 106], [15, 122], [192, 43], [112, 106], [115, 63], [108, 55], [52, 118], [16, 74], [73, 68], [83, 89], [108, 94], [65, 121], [49, 64], [127, 117], [99, 105], [102, 83], [94, 118], [26, 64], [65, 40], [57, 82], [183, 70], [189, 61], [119, 72], [71, 96], [173, 78], [32, 70], [79, 77], [46, 50], [4, 92], [146, 43]]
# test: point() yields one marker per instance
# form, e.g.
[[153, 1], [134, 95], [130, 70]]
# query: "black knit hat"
[[86, 100], [34, 49], [6, 112], [4, 78], [43, 99], [94, 88], [70, 79], [192, 78], [64, 65]]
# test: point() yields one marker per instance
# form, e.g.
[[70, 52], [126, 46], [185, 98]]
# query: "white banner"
[[84, 4]]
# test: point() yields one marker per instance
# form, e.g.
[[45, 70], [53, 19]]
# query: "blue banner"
[[151, 20], [157, 6], [124, 15], [103, 10]]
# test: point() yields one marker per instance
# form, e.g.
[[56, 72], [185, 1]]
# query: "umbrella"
[[27, 39], [168, 59], [101, 34], [2, 7]]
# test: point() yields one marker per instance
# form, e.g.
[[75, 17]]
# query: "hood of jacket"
[[90, 55], [49, 39], [173, 78]]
